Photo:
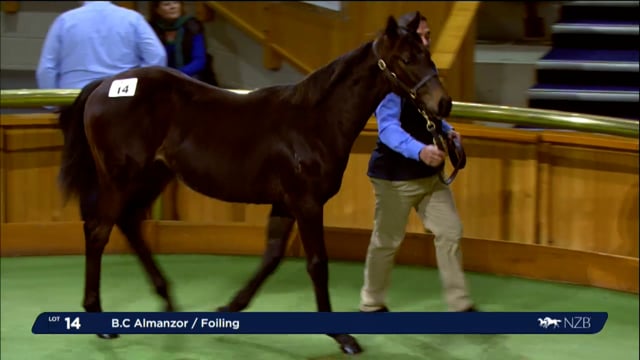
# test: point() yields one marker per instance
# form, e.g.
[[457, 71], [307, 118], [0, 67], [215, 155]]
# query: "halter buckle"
[[382, 65]]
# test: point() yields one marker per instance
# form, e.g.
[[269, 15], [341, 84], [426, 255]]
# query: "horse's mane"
[[316, 86]]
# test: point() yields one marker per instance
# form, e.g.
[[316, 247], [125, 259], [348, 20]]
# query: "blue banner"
[[320, 323]]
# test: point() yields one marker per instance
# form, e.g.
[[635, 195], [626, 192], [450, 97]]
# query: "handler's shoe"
[[382, 309]]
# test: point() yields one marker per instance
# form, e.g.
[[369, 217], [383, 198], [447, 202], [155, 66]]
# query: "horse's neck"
[[353, 93]]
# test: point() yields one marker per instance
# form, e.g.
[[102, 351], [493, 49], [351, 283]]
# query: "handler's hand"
[[431, 155]]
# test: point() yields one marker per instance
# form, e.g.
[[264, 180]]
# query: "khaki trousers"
[[433, 202]]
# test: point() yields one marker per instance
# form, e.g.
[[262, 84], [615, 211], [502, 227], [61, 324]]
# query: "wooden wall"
[[528, 200], [309, 37]]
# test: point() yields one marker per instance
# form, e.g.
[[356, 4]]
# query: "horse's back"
[[129, 115]]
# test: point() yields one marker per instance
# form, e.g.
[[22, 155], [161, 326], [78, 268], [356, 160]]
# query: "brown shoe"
[[382, 309], [470, 309]]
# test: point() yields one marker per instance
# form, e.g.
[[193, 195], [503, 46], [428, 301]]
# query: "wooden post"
[[204, 13], [271, 59], [10, 7], [131, 5], [533, 24]]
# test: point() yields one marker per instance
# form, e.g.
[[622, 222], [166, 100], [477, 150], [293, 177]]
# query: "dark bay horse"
[[287, 146]]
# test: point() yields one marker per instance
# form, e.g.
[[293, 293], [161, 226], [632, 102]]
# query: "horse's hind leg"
[[130, 220], [99, 217], [310, 225], [278, 232]]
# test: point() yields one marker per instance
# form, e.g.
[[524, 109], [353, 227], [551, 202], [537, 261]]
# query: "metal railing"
[[30, 98]]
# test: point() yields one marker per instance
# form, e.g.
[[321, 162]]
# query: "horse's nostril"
[[444, 106]]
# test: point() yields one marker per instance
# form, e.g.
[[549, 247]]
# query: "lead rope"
[[442, 145]]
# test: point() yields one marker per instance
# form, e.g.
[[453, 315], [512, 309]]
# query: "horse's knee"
[[96, 235], [318, 266]]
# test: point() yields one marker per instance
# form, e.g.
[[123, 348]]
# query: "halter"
[[413, 92], [451, 147]]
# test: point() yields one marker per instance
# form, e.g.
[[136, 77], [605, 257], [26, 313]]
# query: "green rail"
[[29, 98]]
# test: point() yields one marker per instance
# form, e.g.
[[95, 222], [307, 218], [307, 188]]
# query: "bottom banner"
[[320, 323]]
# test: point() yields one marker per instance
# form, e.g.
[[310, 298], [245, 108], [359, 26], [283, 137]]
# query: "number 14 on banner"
[[72, 324], [69, 323]]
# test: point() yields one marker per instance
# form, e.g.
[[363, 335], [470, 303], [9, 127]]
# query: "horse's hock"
[[544, 205]]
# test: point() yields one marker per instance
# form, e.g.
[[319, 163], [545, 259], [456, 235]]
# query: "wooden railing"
[[547, 204]]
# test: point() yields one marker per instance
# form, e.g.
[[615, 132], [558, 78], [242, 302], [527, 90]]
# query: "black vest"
[[387, 164]]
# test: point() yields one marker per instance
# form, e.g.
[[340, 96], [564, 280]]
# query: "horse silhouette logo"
[[547, 321]]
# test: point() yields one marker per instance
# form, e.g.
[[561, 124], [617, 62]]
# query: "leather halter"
[[451, 147], [412, 92]]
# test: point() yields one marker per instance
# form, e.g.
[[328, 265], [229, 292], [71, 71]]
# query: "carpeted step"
[[591, 34], [599, 10], [616, 101], [589, 67]]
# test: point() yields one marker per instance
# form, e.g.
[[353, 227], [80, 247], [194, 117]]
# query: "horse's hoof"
[[349, 345], [108, 336], [223, 309], [170, 308]]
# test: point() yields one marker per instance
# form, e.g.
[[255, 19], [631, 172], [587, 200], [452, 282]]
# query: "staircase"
[[592, 67]]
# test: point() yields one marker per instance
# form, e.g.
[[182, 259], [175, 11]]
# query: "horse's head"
[[403, 56]]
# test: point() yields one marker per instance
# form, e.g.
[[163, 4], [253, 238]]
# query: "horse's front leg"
[[278, 232], [310, 225]]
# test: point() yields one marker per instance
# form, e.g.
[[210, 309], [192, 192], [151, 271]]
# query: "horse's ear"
[[392, 28], [413, 25]]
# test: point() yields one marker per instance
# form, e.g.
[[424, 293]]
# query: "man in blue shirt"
[[403, 169], [96, 40]]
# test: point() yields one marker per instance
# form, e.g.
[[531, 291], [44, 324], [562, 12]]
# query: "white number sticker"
[[123, 87]]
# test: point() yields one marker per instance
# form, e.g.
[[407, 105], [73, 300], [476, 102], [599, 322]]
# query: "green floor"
[[34, 285]]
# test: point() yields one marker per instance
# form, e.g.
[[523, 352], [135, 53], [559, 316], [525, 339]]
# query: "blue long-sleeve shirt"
[[390, 131], [96, 40], [198, 56]]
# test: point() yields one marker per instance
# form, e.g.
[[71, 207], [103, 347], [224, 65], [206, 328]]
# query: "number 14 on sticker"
[[123, 87]]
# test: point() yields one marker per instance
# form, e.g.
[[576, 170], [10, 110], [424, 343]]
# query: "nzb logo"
[[573, 322]]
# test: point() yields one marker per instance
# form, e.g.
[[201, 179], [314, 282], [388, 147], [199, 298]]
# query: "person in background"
[[97, 40], [403, 169], [184, 40]]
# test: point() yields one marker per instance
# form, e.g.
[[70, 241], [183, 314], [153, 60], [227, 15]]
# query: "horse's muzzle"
[[444, 106]]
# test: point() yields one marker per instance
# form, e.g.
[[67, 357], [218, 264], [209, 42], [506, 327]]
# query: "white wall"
[[238, 59], [22, 34], [503, 71]]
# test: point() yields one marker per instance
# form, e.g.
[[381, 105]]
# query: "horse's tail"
[[78, 175]]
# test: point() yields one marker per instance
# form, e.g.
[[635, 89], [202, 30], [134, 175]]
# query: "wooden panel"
[[61, 238], [366, 18], [294, 26], [3, 181], [250, 16], [503, 258], [594, 200], [178, 237], [565, 189], [32, 192], [287, 29], [496, 257]]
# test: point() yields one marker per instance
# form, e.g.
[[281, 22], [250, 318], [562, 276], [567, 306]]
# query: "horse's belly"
[[230, 185]]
